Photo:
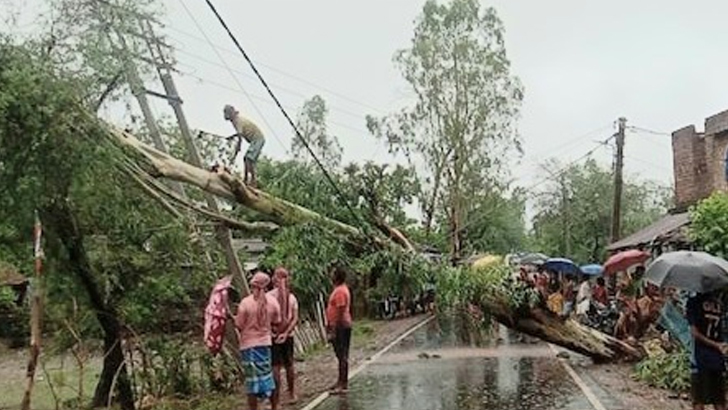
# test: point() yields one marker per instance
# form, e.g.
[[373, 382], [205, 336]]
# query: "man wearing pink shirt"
[[283, 340], [258, 315]]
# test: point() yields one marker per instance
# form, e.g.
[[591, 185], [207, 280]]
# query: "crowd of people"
[[266, 322], [633, 303]]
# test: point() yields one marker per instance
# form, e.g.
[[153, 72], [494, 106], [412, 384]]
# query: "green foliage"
[[383, 189], [50, 152], [709, 224], [311, 123], [172, 367], [307, 251], [496, 224], [488, 286], [670, 371], [14, 320], [79, 39], [461, 127], [574, 212]]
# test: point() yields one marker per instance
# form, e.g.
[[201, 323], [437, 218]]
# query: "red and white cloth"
[[216, 314]]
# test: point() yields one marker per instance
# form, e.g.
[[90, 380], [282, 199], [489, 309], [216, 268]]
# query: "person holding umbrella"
[[704, 314], [704, 275]]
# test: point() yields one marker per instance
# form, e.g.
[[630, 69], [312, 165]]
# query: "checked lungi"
[[258, 371]]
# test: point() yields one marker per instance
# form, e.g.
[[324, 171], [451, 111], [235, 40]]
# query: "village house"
[[700, 167]]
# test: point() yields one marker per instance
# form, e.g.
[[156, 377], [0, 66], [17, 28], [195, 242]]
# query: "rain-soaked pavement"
[[427, 371]]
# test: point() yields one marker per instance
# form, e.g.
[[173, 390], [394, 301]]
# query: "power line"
[[287, 74], [232, 74], [575, 139], [285, 89], [559, 148], [648, 131], [258, 97], [568, 165], [285, 114], [552, 176]]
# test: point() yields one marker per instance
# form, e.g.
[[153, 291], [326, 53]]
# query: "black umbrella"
[[692, 271]]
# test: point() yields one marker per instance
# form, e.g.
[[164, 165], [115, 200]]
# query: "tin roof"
[[665, 228]]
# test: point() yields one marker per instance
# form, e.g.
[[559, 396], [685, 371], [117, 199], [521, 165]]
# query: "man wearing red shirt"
[[338, 326]]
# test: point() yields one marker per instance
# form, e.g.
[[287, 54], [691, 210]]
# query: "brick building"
[[699, 160]]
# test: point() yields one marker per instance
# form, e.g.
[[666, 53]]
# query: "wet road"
[[427, 371]]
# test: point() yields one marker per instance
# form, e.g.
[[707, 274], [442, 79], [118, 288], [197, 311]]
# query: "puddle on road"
[[428, 372]]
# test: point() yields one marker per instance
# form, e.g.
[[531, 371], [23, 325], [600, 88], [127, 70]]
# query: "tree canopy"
[[574, 210], [460, 131]]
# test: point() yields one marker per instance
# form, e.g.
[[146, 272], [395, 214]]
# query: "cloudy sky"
[[659, 63]]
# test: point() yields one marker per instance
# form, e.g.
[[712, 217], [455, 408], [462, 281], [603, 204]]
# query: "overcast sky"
[[659, 63]]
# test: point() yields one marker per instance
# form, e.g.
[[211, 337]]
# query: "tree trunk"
[[536, 322], [36, 315], [114, 373]]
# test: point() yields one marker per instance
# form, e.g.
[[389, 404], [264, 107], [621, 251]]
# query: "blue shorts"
[[254, 149]]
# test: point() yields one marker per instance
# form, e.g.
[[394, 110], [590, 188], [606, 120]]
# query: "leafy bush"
[[175, 368], [670, 371], [709, 224], [14, 320], [487, 286]]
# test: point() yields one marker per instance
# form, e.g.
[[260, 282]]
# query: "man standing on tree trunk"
[[245, 129], [283, 340], [338, 327]]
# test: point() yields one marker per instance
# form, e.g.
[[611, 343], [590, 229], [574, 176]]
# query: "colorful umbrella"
[[624, 260], [561, 265], [592, 270]]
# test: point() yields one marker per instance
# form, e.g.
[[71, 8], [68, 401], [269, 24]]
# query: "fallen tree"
[[531, 319]]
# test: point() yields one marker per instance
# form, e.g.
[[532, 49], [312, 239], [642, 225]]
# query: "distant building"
[[700, 161]]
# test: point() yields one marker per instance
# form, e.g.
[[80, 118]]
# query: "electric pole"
[[565, 215], [172, 96], [618, 182], [137, 88]]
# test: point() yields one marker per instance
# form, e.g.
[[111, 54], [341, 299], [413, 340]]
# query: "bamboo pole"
[[36, 314]]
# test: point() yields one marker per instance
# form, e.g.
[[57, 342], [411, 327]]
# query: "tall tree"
[[311, 122], [573, 211], [116, 250], [461, 129]]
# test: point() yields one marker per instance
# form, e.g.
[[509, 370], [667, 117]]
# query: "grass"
[[62, 374], [363, 331]]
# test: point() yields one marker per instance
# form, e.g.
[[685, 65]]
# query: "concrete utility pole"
[[137, 88], [618, 182], [172, 96], [565, 215]]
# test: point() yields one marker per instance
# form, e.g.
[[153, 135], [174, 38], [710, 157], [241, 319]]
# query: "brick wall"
[[684, 143], [699, 160]]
